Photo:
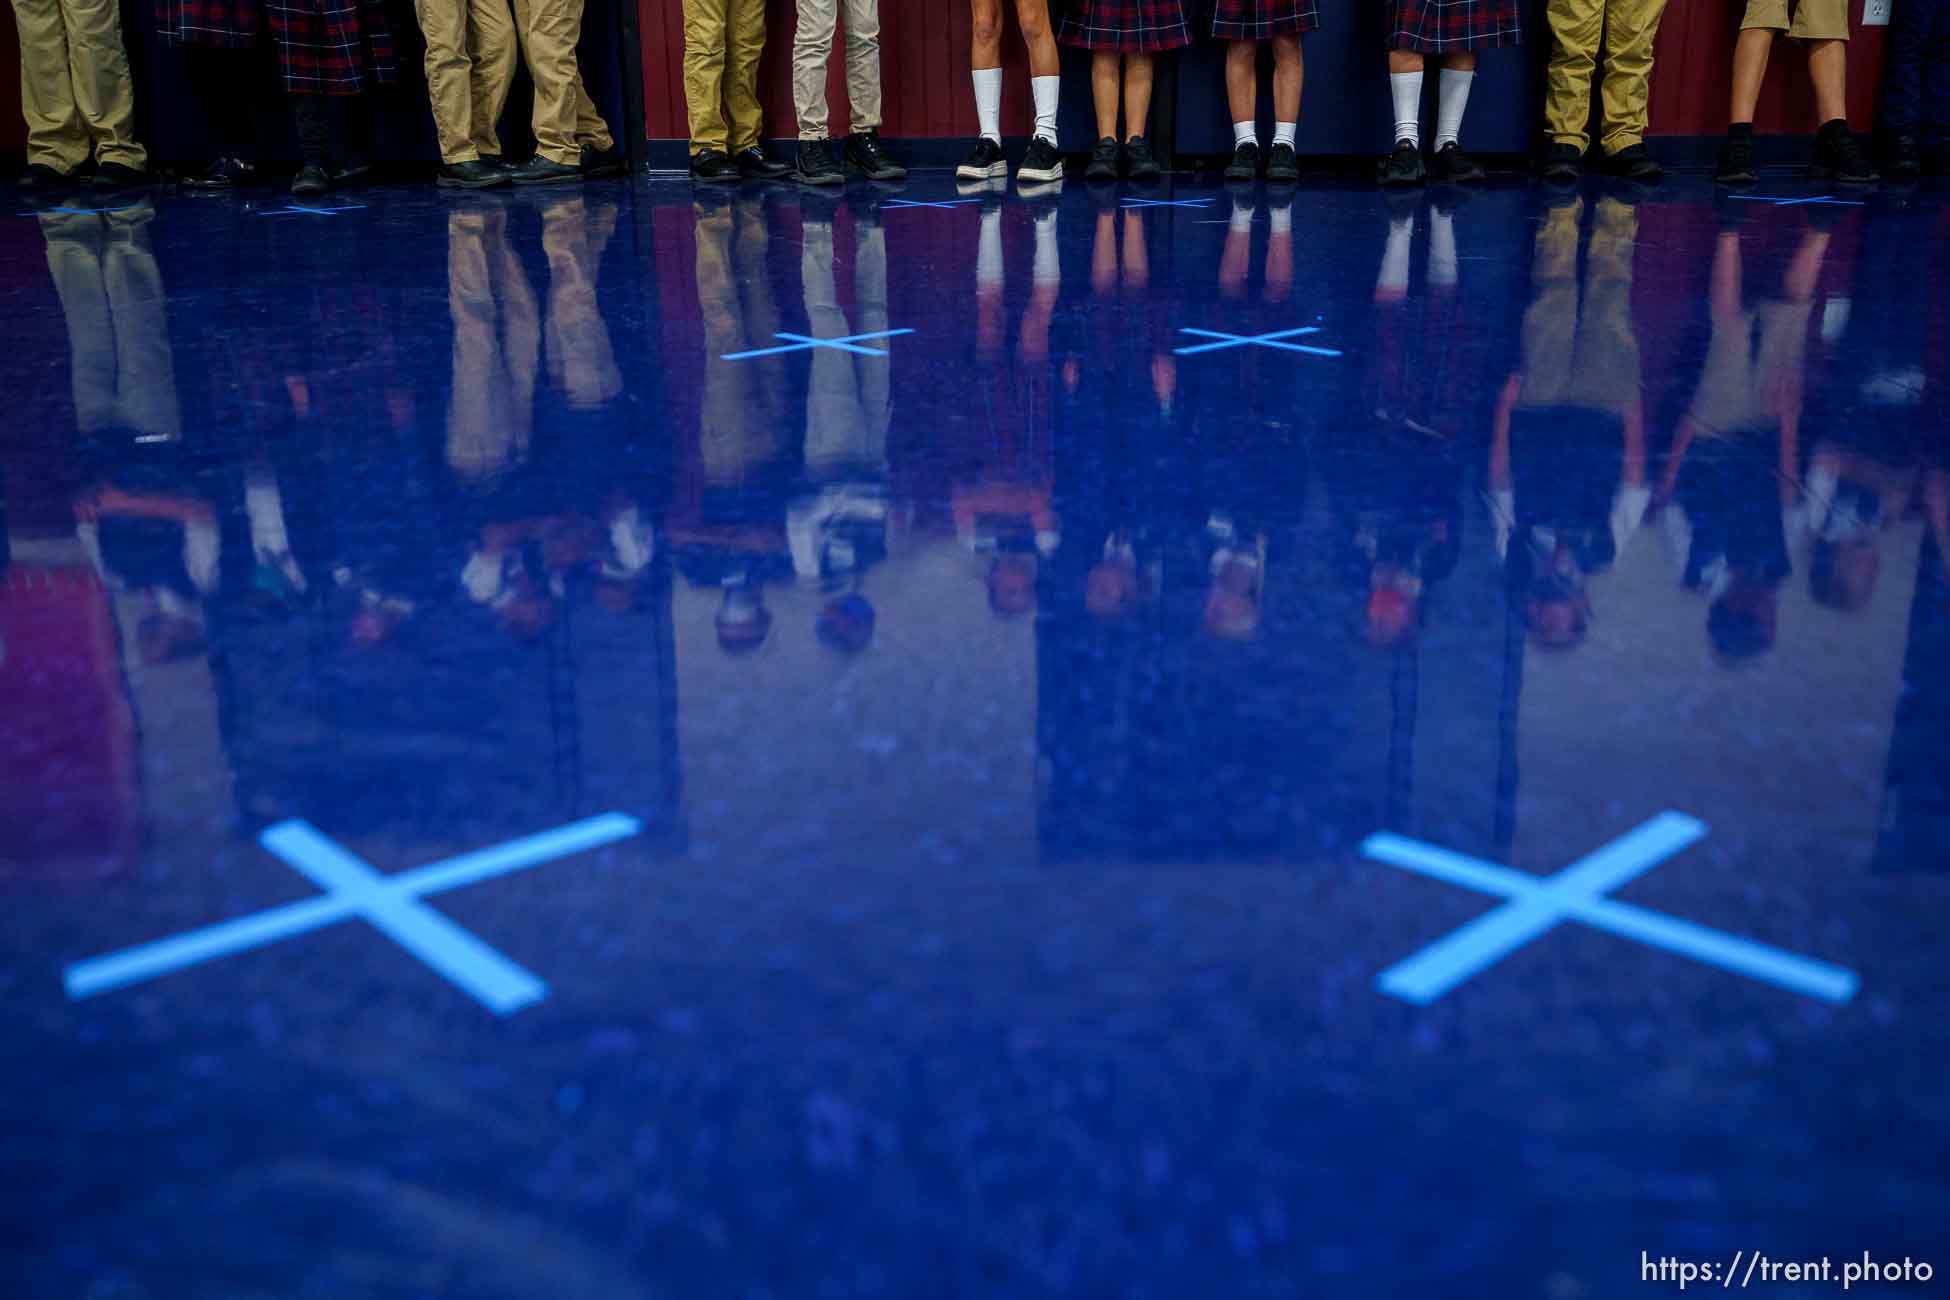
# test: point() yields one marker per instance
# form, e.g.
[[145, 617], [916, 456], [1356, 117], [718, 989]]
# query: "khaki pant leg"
[[449, 73], [812, 49], [745, 42], [98, 67], [145, 365], [56, 136], [549, 32], [706, 45], [1631, 29], [1577, 27], [492, 47], [863, 64]]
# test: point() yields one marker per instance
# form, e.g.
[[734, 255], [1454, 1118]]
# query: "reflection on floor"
[[968, 669]]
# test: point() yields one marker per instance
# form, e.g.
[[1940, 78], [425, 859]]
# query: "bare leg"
[[1033, 16], [1242, 78], [1828, 68], [1404, 61], [1137, 92], [1103, 91], [986, 50], [1460, 61], [1288, 73], [1749, 67]]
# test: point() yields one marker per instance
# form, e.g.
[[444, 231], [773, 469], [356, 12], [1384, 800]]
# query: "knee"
[[988, 25], [1034, 20]]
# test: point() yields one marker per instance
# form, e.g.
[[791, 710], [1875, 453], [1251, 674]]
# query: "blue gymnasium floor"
[[628, 743]]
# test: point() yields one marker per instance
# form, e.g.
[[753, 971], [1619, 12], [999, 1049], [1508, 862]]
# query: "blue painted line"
[[1576, 893], [81, 212], [802, 343], [1273, 340], [297, 209], [926, 203], [1788, 203], [390, 904], [1166, 203]]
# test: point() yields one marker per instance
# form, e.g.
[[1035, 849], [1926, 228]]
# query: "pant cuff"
[[566, 157]]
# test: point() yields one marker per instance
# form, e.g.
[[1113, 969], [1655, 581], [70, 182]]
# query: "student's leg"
[[1242, 80], [985, 48], [1452, 96], [492, 45], [311, 115], [450, 73], [863, 65], [1577, 27], [1631, 30], [1103, 91], [550, 30], [812, 50], [1405, 69], [99, 72], [1033, 17], [1289, 73], [704, 73], [1749, 70], [1828, 69], [55, 135], [1137, 93], [745, 43]]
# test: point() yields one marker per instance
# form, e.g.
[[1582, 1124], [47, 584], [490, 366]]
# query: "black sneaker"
[[44, 179], [984, 163], [1245, 161], [351, 171], [1137, 156], [223, 174], [477, 174], [1455, 167], [1838, 156], [1564, 164], [1736, 165], [865, 152], [1634, 164], [1282, 167], [119, 176], [1042, 163], [601, 162], [715, 166], [1404, 166], [1903, 155], [310, 182], [757, 165], [817, 166], [543, 171], [1103, 161]]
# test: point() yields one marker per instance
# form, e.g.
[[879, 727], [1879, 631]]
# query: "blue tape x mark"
[[1577, 893], [298, 209], [1788, 203], [391, 904], [82, 212], [1166, 203], [926, 203], [801, 343], [1273, 340]]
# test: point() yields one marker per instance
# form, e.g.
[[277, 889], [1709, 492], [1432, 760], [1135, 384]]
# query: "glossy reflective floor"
[[1026, 702]]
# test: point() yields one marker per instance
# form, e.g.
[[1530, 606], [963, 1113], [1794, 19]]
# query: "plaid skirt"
[[332, 47], [1438, 26], [1257, 20], [1129, 26], [223, 24]]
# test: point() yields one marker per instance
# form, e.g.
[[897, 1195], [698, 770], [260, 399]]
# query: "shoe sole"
[[1737, 178], [1039, 174], [1403, 182], [1100, 174], [715, 180], [1834, 174], [886, 175], [991, 172], [607, 169], [442, 182], [821, 182], [1148, 174], [1279, 176], [547, 180]]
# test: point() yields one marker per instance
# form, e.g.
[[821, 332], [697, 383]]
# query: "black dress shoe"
[[1404, 166], [1245, 161], [602, 162], [817, 165], [41, 178], [755, 164], [1282, 167], [119, 176], [310, 181], [1103, 161], [1455, 167], [223, 174], [544, 171], [1635, 164], [864, 151], [715, 166], [1137, 155], [1564, 164], [476, 174], [351, 171]]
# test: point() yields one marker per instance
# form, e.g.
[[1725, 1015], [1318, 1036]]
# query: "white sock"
[[1046, 90], [1394, 262], [1283, 220], [1442, 248], [1283, 133], [1244, 133], [1452, 97], [1046, 269], [988, 253], [1406, 88], [988, 101]]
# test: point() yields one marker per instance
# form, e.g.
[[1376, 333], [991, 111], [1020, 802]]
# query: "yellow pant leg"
[[1631, 28], [1577, 26], [56, 136]]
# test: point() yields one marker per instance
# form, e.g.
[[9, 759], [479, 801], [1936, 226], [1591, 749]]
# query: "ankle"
[[1741, 130]]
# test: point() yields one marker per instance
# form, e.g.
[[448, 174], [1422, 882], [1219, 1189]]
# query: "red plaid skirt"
[[1438, 26], [225, 24], [332, 47], [1257, 20], [1130, 26]]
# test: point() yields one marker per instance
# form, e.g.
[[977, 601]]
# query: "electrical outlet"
[[1875, 13]]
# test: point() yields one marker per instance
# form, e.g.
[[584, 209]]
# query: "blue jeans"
[[1916, 86]]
